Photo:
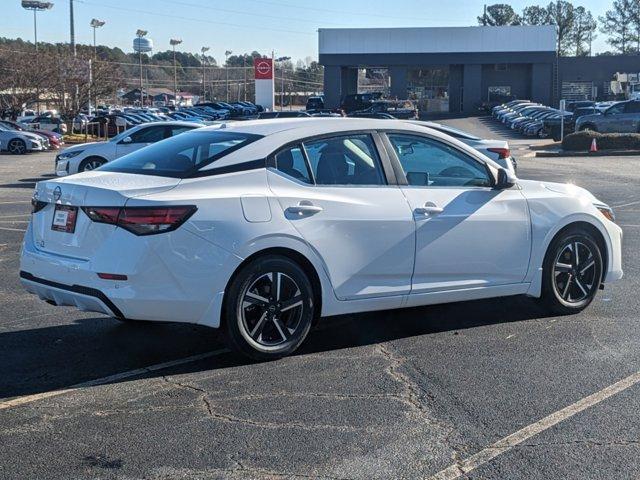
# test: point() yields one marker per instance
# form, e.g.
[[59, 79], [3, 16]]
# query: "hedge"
[[581, 141]]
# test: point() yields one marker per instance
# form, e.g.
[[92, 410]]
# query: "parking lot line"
[[13, 229], [18, 401], [19, 201], [516, 438]]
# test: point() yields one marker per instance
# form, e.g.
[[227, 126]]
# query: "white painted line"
[[630, 226], [15, 402], [13, 229], [14, 216], [626, 204], [10, 203], [510, 441], [14, 221]]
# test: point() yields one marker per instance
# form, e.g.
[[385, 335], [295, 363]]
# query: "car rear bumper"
[[173, 277]]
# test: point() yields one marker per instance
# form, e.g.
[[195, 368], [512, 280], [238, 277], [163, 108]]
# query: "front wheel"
[[269, 308], [91, 163], [17, 146], [572, 272]]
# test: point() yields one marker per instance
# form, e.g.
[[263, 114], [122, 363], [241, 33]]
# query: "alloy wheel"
[[92, 165], [575, 272], [271, 309], [17, 147]]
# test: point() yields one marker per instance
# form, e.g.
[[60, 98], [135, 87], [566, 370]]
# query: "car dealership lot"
[[399, 394]]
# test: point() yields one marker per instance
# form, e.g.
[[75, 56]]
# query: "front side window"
[[632, 107], [148, 135], [616, 109], [182, 155], [291, 162], [345, 160], [429, 163]]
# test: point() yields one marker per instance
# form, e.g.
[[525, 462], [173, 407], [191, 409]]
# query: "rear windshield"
[[182, 155]]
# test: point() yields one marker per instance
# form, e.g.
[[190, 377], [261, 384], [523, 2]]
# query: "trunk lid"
[[89, 189]]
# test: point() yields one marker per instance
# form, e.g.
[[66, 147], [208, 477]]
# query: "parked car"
[[401, 109], [20, 142], [359, 101], [54, 124], [282, 114], [378, 115], [290, 221], [496, 150], [53, 140], [315, 103], [623, 117], [89, 156]]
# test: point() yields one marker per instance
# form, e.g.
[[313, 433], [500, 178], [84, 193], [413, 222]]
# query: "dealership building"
[[455, 69]]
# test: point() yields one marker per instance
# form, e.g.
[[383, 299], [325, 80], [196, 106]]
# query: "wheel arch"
[[307, 266]]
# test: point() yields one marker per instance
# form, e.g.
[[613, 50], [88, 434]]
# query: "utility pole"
[[226, 68], [72, 29], [244, 68], [204, 50], [282, 60], [173, 42], [484, 16], [139, 47]]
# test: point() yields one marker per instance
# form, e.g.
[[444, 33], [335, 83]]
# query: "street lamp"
[[36, 6], [204, 50], [95, 23], [173, 42], [140, 34], [226, 67], [282, 59]]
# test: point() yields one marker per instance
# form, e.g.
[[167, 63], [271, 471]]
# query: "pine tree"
[[620, 25]]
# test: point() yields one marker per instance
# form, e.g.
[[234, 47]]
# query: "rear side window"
[[632, 107], [345, 160], [181, 155], [291, 162]]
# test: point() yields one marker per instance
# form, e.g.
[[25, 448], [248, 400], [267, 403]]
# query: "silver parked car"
[[622, 117]]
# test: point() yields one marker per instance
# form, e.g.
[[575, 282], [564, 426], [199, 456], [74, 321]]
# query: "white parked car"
[[260, 227], [20, 142], [497, 150], [88, 156]]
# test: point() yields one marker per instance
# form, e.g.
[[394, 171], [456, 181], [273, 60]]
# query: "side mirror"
[[506, 179], [126, 140]]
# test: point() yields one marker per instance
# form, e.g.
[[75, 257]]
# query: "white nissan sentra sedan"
[[261, 227]]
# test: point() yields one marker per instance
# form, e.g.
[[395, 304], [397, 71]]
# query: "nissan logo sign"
[[263, 68]]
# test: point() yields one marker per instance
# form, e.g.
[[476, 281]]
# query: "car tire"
[[269, 308], [588, 126], [91, 163], [570, 282], [17, 146]]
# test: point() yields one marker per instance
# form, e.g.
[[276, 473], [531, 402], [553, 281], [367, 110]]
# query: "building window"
[[501, 67], [499, 94]]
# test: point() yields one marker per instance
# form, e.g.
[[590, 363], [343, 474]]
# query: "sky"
[[288, 27]]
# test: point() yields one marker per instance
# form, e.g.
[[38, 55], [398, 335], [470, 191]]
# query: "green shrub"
[[581, 141]]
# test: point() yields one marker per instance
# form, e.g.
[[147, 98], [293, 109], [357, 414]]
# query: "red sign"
[[263, 68]]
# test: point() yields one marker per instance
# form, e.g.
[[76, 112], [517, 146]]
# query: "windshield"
[[182, 155]]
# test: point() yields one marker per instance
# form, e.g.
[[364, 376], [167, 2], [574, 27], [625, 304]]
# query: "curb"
[[599, 153]]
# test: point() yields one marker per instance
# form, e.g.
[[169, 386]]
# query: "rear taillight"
[[502, 152], [142, 220]]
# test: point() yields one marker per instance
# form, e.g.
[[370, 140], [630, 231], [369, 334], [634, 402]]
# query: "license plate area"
[[64, 219]]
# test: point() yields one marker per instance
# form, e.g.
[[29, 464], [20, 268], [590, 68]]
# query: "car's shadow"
[[27, 182], [59, 356]]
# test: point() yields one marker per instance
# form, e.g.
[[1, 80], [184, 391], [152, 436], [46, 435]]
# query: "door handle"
[[304, 208], [428, 209]]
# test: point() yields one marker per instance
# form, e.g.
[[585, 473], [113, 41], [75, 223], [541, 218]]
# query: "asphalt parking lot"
[[401, 394]]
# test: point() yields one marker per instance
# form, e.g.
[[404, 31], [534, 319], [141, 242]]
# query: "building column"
[[472, 88], [338, 82], [398, 75], [455, 88], [541, 83]]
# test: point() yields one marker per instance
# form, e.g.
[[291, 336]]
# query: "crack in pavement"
[[254, 423]]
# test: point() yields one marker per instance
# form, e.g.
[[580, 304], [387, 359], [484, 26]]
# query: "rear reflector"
[[112, 276], [142, 220], [502, 152]]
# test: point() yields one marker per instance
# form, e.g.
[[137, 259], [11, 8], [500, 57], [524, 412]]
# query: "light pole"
[[95, 23], [226, 68], [140, 34], [204, 50], [36, 6], [173, 42], [72, 30], [282, 60]]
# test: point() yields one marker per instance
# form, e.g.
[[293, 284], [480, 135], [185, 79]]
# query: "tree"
[[562, 15], [536, 15], [583, 32], [618, 23], [499, 14]]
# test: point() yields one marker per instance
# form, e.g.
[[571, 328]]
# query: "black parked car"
[[359, 101], [315, 103], [403, 109], [291, 114]]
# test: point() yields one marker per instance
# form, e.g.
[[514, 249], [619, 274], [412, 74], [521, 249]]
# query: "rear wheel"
[[572, 272], [269, 308], [91, 163], [17, 146]]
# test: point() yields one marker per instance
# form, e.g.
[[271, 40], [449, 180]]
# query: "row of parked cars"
[[536, 120], [366, 105], [20, 138]]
